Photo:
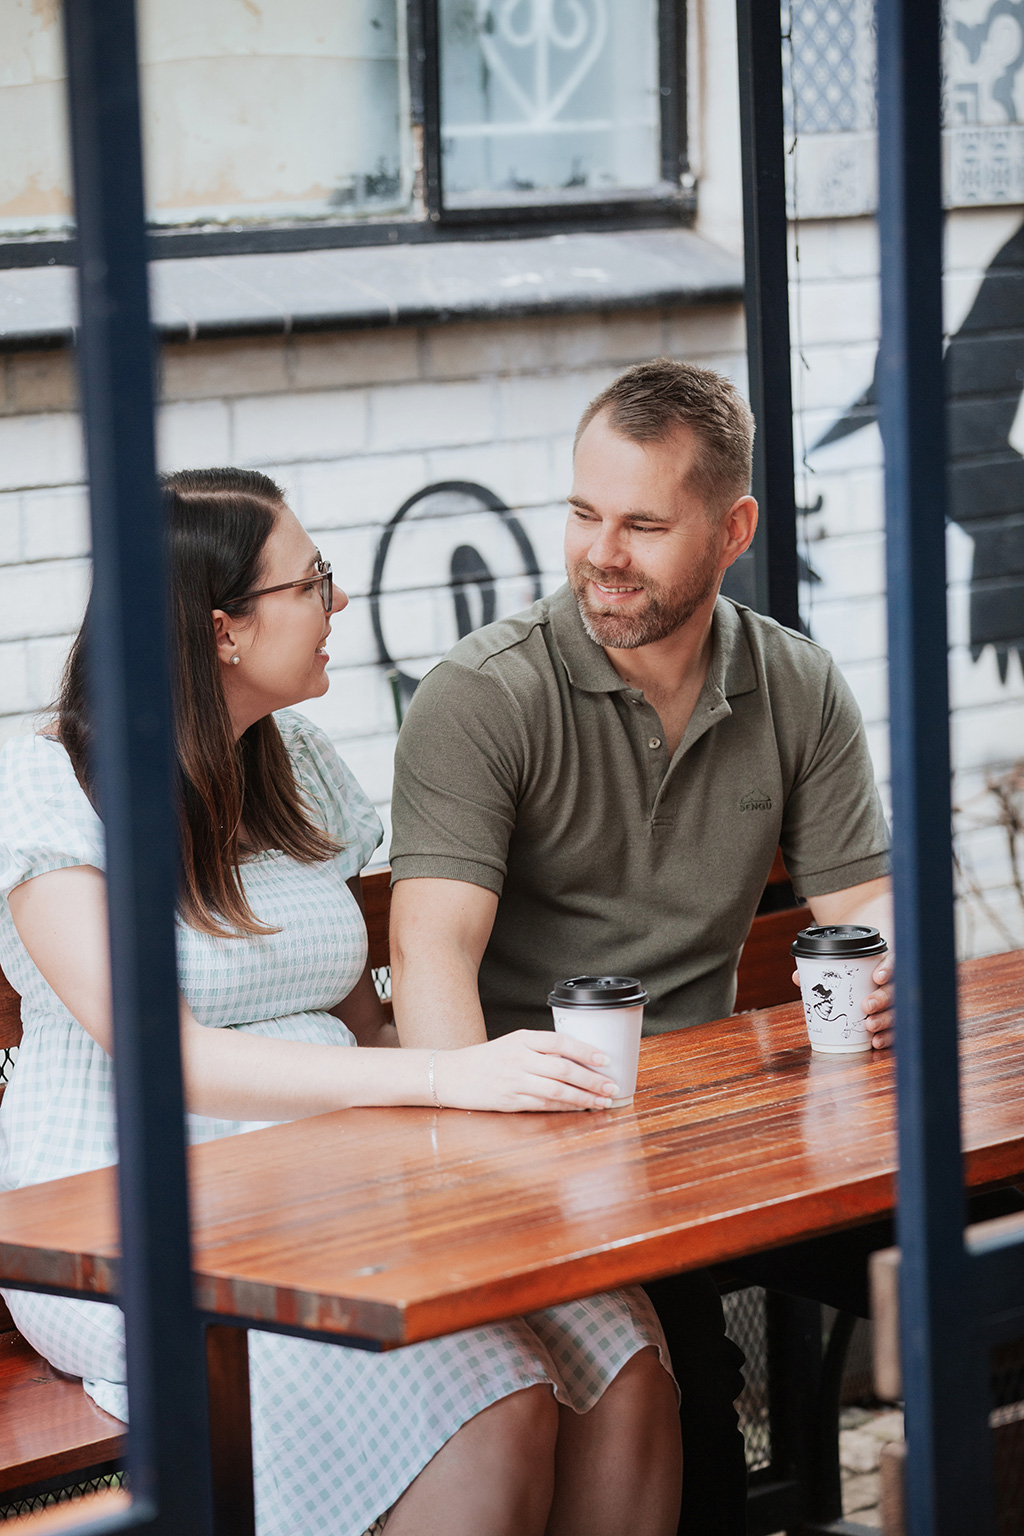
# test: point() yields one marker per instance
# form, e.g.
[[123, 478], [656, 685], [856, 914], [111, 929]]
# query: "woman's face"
[[280, 646]]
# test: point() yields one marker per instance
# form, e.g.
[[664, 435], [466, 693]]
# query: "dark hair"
[[217, 522], [651, 401]]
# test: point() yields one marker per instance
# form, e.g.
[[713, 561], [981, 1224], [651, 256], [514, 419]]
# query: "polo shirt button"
[[654, 742]]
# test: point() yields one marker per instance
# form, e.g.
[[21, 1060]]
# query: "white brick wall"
[[40, 450], [351, 426]]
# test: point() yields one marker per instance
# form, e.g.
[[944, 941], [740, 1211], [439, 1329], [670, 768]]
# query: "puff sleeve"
[[46, 819], [329, 788]]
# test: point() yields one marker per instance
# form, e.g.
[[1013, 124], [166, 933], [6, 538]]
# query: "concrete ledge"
[[359, 288]]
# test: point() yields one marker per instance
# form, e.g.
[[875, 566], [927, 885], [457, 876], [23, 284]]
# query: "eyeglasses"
[[324, 580]]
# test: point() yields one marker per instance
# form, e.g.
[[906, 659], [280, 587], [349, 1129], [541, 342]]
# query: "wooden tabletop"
[[396, 1225]]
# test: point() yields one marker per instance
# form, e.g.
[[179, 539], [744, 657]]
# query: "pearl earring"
[[235, 660]]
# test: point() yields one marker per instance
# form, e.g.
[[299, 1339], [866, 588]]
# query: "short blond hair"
[[651, 401]]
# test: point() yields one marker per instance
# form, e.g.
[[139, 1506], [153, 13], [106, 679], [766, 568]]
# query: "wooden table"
[[395, 1225]]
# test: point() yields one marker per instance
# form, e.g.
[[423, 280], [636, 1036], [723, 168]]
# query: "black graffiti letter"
[[469, 569]]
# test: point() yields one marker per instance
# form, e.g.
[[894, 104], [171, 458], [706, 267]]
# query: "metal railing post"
[[766, 297], [129, 668], [949, 1461]]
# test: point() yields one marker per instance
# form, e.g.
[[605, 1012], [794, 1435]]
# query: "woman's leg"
[[619, 1467], [494, 1477]]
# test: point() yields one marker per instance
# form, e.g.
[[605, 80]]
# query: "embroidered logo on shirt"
[[756, 800]]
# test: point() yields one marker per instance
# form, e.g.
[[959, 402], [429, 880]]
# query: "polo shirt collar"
[[731, 671], [585, 661]]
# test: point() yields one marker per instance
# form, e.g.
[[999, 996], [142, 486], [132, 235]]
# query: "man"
[[600, 785]]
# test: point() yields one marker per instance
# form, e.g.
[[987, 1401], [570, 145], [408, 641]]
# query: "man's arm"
[[871, 905], [439, 931]]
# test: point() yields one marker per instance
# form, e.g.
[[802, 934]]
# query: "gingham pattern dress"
[[338, 1434]]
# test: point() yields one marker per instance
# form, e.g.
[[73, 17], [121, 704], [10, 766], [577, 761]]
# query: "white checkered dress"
[[338, 1434]]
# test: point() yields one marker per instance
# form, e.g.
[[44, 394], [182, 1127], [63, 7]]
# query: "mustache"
[[586, 572]]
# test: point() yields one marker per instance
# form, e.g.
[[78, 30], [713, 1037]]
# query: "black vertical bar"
[[168, 1440], [429, 35], [766, 294], [826, 1485], [793, 1328], [672, 87], [949, 1464]]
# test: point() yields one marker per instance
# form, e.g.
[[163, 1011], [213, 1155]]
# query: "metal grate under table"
[[60, 1496], [745, 1323]]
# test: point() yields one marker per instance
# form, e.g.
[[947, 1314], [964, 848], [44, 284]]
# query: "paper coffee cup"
[[606, 1012], [836, 965]]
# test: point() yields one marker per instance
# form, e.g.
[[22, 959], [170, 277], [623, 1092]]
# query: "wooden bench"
[[53, 1436]]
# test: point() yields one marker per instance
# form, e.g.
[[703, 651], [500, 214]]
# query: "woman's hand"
[[530, 1069]]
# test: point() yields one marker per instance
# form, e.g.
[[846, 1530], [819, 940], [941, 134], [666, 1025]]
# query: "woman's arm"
[[61, 919]]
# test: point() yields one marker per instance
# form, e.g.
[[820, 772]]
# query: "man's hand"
[[869, 904], [878, 1006]]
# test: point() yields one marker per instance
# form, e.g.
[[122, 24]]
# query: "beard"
[[666, 609]]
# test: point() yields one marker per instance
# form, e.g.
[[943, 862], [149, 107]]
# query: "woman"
[[460, 1435]]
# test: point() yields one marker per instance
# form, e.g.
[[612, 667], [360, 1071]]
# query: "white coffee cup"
[[836, 966], [606, 1012]]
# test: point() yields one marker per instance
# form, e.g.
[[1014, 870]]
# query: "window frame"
[[668, 198], [672, 201]]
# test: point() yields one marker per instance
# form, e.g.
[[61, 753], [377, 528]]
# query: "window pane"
[[542, 97], [35, 174], [293, 109]]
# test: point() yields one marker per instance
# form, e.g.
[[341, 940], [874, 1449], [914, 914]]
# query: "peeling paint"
[[47, 11], [34, 200]]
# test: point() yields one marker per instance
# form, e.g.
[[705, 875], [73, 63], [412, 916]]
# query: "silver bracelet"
[[430, 1075]]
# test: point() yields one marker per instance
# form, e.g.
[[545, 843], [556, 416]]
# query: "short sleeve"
[[834, 834], [328, 786], [458, 768], [46, 819]]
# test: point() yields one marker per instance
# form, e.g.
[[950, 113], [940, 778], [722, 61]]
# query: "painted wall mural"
[[984, 366]]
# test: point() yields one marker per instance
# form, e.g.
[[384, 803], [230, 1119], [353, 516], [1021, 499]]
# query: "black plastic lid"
[[597, 992], [841, 939]]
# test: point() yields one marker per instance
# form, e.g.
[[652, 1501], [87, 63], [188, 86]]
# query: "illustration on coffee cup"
[[836, 966], [825, 1008]]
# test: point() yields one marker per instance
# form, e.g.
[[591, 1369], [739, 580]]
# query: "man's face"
[[641, 553]]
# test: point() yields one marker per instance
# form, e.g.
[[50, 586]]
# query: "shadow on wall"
[[984, 367]]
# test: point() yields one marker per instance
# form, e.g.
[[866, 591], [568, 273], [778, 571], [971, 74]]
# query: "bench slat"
[[376, 910], [48, 1426], [765, 972], [10, 1015]]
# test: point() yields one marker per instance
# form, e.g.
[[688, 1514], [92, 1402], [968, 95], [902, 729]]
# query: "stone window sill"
[[367, 287]]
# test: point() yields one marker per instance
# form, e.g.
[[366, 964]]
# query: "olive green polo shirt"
[[526, 765]]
